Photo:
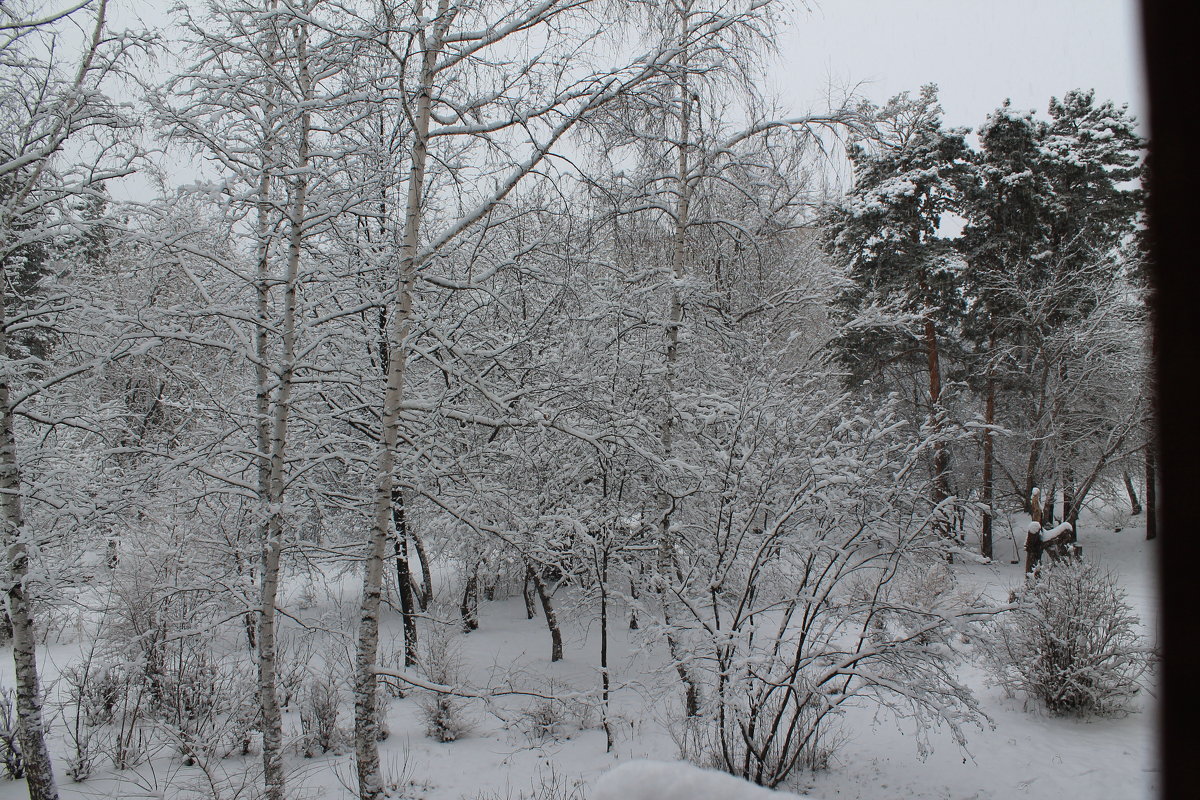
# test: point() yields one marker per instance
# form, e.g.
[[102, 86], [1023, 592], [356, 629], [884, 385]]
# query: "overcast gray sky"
[[977, 51]]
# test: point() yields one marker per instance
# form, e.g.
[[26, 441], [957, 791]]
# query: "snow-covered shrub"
[[444, 718], [78, 681], [382, 704], [555, 716], [1071, 642], [132, 744], [126, 738], [319, 713], [97, 689], [544, 720], [10, 746], [293, 654], [765, 735], [816, 576], [82, 760], [443, 713]]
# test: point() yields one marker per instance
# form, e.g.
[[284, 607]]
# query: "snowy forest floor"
[[518, 745]]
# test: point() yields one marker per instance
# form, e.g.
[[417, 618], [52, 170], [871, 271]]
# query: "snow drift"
[[676, 780]]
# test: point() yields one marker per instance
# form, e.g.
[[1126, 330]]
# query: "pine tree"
[[904, 299], [1004, 245], [1048, 220]]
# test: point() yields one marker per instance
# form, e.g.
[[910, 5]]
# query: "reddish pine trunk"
[[1070, 502], [989, 418], [1035, 451], [941, 486]]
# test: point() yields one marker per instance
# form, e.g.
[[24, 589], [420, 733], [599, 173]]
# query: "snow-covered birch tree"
[[60, 138], [256, 104], [684, 156]]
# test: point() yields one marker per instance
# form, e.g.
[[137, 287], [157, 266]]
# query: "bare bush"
[[444, 718], [382, 729], [10, 747], [443, 713], [294, 654], [551, 785], [542, 721], [130, 733], [80, 731], [556, 716], [392, 657], [319, 714], [841, 594], [1071, 642]]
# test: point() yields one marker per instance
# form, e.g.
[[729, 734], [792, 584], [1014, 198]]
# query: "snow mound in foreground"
[[676, 780]]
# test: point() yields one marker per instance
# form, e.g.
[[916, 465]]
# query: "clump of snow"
[[1056, 532], [677, 780]]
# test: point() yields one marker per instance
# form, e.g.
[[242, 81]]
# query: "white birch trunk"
[[280, 410], [366, 723], [39, 773], [31, 731], [666, 539]]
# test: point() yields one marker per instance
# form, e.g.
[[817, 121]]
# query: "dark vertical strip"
[[1169, 31]]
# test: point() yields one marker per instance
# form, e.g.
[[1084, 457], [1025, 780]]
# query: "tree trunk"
[[666, 540], [404, 579], [425, 597], [604, 677], [39, 773], [989, 419], [1151, 493], [31, 728], [1035, 450], [633, 595], [489, 585], [1033, 551], [527, 594], [272, 719], [1135, 506], [941, 487], [556, 649], [250, 618], [1070, 503], [468, 609], [366, 723]]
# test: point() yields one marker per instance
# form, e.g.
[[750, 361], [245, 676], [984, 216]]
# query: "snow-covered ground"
[[509, 752]]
